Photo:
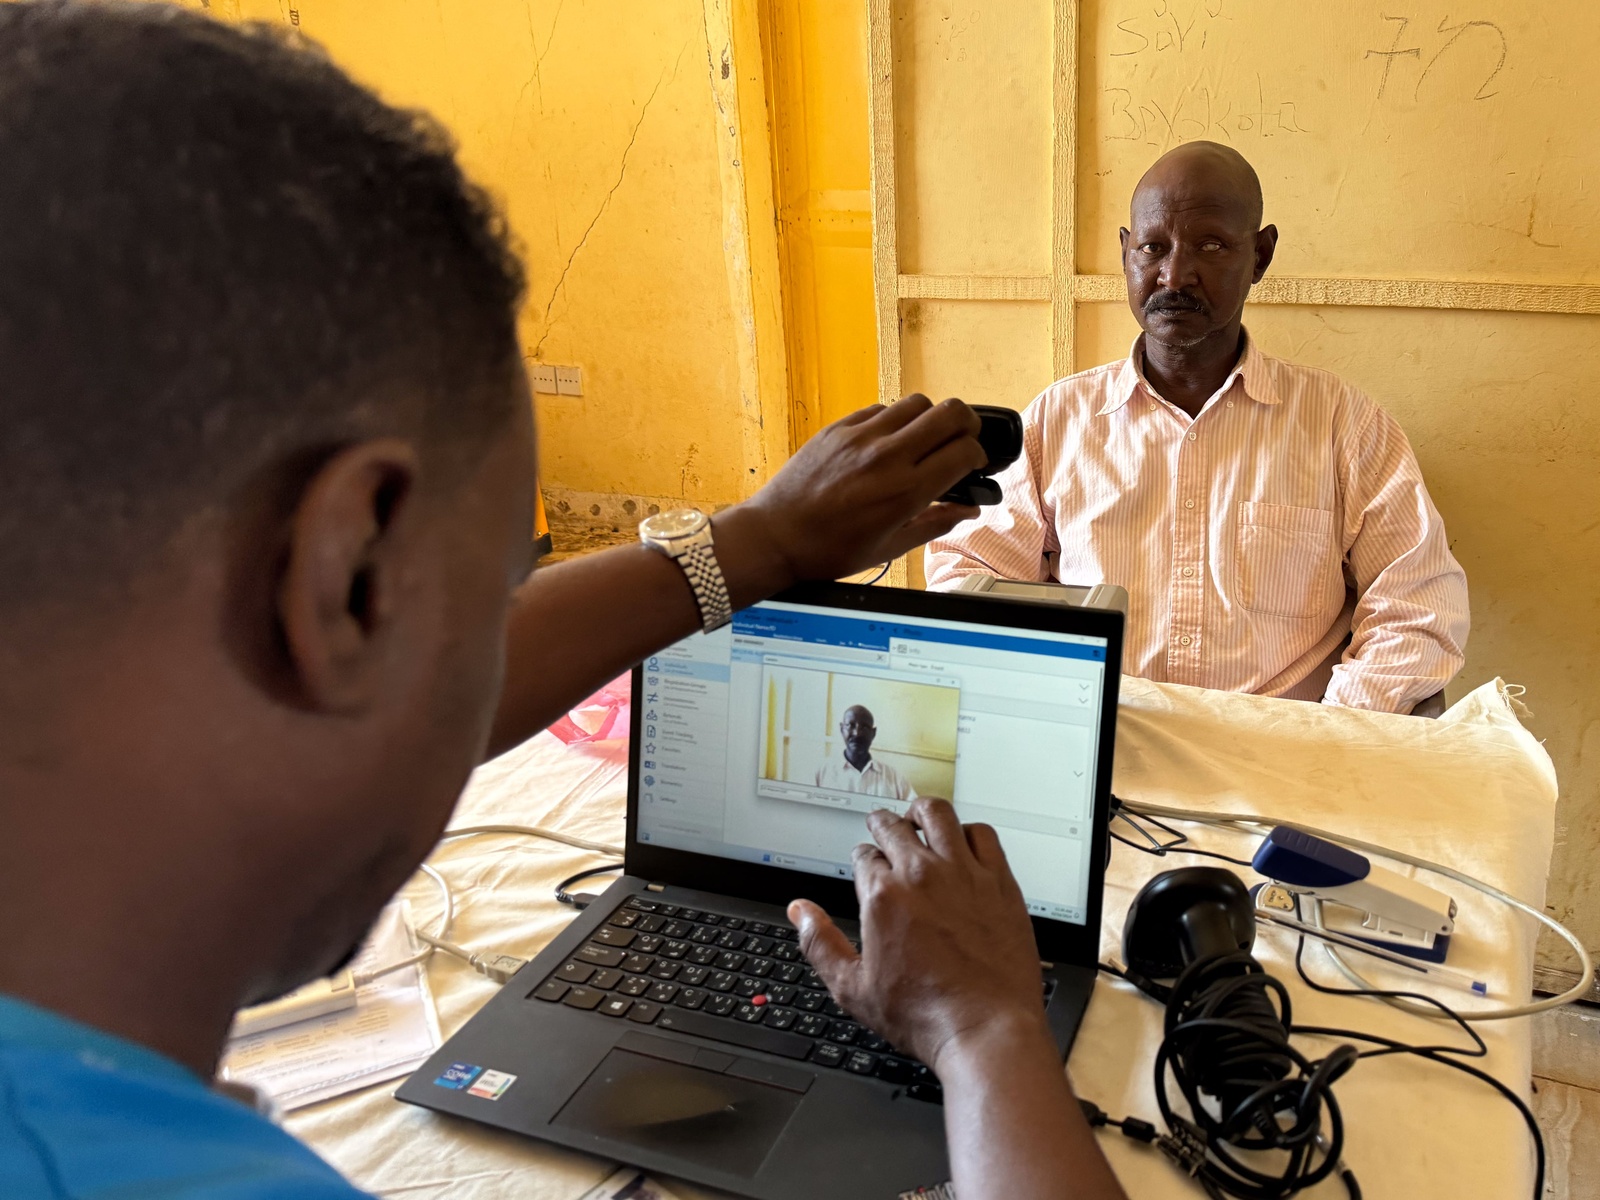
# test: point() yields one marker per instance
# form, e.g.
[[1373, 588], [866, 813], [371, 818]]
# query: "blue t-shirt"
[[87, 1116]]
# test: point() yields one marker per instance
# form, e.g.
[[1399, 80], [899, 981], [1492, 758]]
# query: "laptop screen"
[[770, 740]]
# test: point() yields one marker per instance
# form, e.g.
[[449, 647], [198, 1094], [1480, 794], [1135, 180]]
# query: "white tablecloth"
[[1473, 789]]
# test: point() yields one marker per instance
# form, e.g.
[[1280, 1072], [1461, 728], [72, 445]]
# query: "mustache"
[[1174, 301]]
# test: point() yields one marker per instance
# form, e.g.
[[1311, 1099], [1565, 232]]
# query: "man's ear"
[[1266, 246], [1122, 240], [338, 594]]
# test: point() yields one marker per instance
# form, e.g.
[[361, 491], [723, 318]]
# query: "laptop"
[[674, 1025]]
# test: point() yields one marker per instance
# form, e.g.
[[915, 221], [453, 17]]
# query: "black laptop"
[[674, 1024]]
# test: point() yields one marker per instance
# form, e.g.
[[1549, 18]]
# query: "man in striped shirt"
[[1269, 521]]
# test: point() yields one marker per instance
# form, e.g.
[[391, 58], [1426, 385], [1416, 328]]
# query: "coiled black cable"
[[1226, 1047]]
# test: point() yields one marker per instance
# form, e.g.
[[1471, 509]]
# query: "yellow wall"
[[1468, 161], [597, 130]]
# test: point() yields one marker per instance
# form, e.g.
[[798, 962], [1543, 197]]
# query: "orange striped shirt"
[[1253, 539]]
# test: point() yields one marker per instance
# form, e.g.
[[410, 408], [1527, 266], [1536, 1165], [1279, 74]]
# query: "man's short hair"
[[220, 259]]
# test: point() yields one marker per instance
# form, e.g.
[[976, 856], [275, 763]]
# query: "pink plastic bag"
[[601, 717]]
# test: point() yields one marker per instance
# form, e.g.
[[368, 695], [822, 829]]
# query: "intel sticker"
[[491, 1085], [458, 1075]]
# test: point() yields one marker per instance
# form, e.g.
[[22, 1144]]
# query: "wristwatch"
[[684, 536]]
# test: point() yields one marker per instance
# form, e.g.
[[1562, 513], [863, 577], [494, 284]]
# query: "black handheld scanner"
[[1001, 438]]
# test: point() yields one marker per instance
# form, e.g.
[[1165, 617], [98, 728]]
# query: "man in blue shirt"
[[266, 497]]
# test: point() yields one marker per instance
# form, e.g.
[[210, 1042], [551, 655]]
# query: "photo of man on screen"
[[856, 770]]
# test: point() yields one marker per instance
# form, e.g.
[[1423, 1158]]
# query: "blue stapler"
[[1356, 898]]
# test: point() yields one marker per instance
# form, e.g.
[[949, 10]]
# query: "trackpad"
[[715, 1120]]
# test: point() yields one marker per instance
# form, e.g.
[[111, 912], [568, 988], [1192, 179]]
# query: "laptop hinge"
[[655, 887]]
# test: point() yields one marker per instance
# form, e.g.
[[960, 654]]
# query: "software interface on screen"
[[771, 739]]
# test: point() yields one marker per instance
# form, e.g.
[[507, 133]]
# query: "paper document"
[[390, 1032], [628, 1183]]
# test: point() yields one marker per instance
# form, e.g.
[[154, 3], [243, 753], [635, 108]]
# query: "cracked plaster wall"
[[593, 124]]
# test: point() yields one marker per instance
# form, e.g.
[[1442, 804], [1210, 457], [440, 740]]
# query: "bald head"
[[1203, 174]]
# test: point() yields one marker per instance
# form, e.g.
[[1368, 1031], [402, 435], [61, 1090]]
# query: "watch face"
[[680, 522]]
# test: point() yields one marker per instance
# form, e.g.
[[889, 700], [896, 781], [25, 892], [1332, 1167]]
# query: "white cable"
[[430, 940], [1248, 821], [536, 831]]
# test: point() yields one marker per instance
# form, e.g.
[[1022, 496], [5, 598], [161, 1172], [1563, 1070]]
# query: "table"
[[1473, 789]]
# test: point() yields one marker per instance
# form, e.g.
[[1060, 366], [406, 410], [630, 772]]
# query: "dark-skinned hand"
[[862, 491], [947, 950]]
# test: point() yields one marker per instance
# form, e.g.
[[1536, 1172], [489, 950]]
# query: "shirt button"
[[1188, 503], [1192, 436], [1185, 640], [1187, 571], [1230, 403]]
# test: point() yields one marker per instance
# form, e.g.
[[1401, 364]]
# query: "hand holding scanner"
[[1001, 438]]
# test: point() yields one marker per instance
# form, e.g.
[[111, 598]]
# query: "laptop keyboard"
[[728, 979]]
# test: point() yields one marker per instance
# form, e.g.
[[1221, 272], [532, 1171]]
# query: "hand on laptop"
[[949, 971], [947, 953], [858, 493]]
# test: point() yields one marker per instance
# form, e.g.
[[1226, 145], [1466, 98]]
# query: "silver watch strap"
[[701, 568]]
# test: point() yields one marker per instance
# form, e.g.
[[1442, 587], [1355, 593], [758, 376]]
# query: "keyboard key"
[[704, 935], [689, 914], [641, 905], [729, 961], [634, 985], [757, 945], [638, 964], [651, 924], [693, 976], [748, 986], [664, 968], [704, 955], [552, 989], [812, 980], [750, 1012], [677, 929], [843, 1032], [691, 997], [811, 1001], [721, 1006], [895, 1070], [832, 1008], [861, 1063], [736, 1033], [600, 956], [662, 993], [575, 972], [582, 997], [760, 966], [644, 1012], [710, 919], [758, 927], [615, 1006], [787, 971], [827, 1054], [722, 981], [647, 943], [812, 1025], [624, 918], [730, 939], [779, 1018], [675, 949], [931, 1092], [782, 994], [871, 1041], [784, 952], [606, 980], [733, 922], [610, 935], [923, 1074], [667, 910]]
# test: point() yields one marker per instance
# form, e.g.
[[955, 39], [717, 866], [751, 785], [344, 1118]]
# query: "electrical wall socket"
[[569, 381], [544, 378]]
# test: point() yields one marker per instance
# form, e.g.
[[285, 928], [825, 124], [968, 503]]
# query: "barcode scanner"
[[1001, 439]]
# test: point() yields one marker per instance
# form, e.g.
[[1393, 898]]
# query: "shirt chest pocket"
[[1285, 560]]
